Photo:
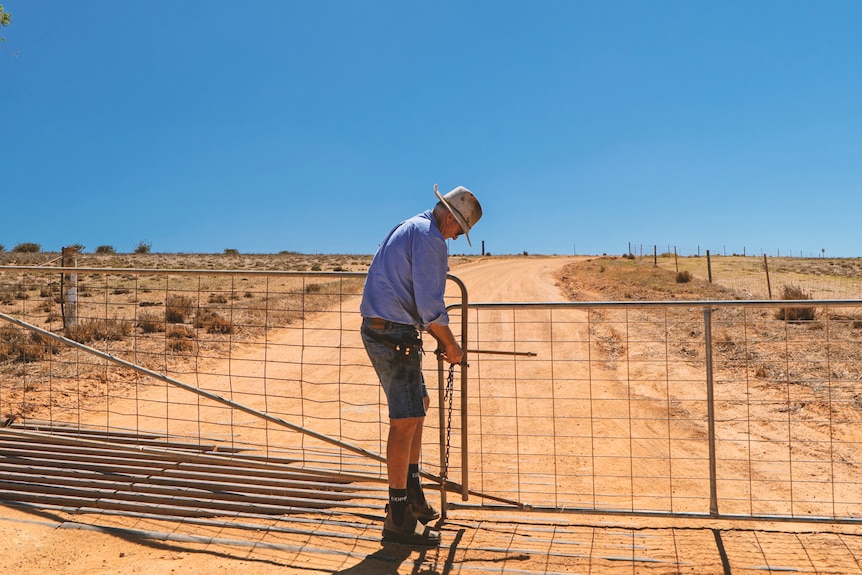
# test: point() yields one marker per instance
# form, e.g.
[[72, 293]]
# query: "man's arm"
[[452, 352]]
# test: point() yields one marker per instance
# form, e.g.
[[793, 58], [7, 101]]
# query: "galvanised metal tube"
[[710, 412]]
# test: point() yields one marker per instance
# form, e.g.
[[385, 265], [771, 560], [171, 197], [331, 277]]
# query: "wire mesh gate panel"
[[284, 344], [733, 409]]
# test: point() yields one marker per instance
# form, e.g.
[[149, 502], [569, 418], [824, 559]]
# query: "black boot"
[[417, 503], [410, 531]]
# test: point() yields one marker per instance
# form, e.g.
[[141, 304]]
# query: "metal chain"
[[450, 392]]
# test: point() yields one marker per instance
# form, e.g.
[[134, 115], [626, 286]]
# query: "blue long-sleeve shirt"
[[407, 277]]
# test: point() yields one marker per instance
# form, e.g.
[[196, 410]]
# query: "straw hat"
[[464, 206]]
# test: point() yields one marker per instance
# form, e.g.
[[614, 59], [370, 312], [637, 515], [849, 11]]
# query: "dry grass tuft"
[[18, 345], [151, 323], [99, 330], [795, 314], [178, 308]]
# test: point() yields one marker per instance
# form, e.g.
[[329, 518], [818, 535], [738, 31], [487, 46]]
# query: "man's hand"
[[452, 352]]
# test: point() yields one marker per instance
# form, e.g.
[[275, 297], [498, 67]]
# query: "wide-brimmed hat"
[[464, 206]]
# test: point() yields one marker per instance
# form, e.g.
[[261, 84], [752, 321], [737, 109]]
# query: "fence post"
[[768, 285], [709, 266], [710, 411], [69, 288]]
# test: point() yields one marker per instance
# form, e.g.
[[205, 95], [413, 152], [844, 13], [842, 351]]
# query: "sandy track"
[[513, 279]]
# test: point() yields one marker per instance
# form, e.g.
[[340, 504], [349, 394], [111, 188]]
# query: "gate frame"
[[708, 306]]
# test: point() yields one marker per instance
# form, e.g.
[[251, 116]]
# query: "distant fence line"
[[646, 250], [762, 276]]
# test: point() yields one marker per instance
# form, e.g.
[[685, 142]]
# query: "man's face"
[[451, 228]]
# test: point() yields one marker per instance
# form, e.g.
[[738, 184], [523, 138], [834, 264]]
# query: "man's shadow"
[[388, 559], [384, 561]]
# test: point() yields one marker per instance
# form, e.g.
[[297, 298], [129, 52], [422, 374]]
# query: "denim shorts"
[[400, 375]]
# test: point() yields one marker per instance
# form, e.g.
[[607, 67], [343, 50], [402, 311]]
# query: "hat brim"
[[458, 217]]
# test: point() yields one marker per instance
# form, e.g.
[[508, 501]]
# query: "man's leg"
[[404, 435], [400, 522], [415, 495]]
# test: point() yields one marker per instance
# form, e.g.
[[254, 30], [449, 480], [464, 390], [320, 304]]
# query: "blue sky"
[[316, 125]]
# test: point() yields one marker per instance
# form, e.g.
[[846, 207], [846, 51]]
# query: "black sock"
[[414, 484], [398, 504]]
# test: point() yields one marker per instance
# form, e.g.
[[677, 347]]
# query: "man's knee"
[[407, 424]]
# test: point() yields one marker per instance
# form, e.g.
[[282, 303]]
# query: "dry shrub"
[[181, 332], [213, 322], [99, 330], [151, 322], [178, 308], [7, 295], [795, 314], [216, 298], [27, 248], [683, 277], [180, 345], [218, 324], [203, 317], [20, 345], [180, 338]]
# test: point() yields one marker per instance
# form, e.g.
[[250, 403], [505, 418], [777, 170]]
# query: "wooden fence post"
[[709, 266], [69, 289]]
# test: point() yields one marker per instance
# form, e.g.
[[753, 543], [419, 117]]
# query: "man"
[[403, 295]]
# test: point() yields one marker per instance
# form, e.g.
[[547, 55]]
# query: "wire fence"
[[736, 409], [284, 344], [765, 276], [642, 249], [733, 409]]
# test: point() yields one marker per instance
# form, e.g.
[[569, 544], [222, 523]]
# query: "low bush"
[[99, 330], [27, 248], [151, 323], [20, 345], [683, 277], [178, 308], [216, 298], [181, 332], [213, 322], [181, 338], [795, 314], [218, 324]]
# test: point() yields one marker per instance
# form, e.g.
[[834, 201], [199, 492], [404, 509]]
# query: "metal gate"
[[731, 409]]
